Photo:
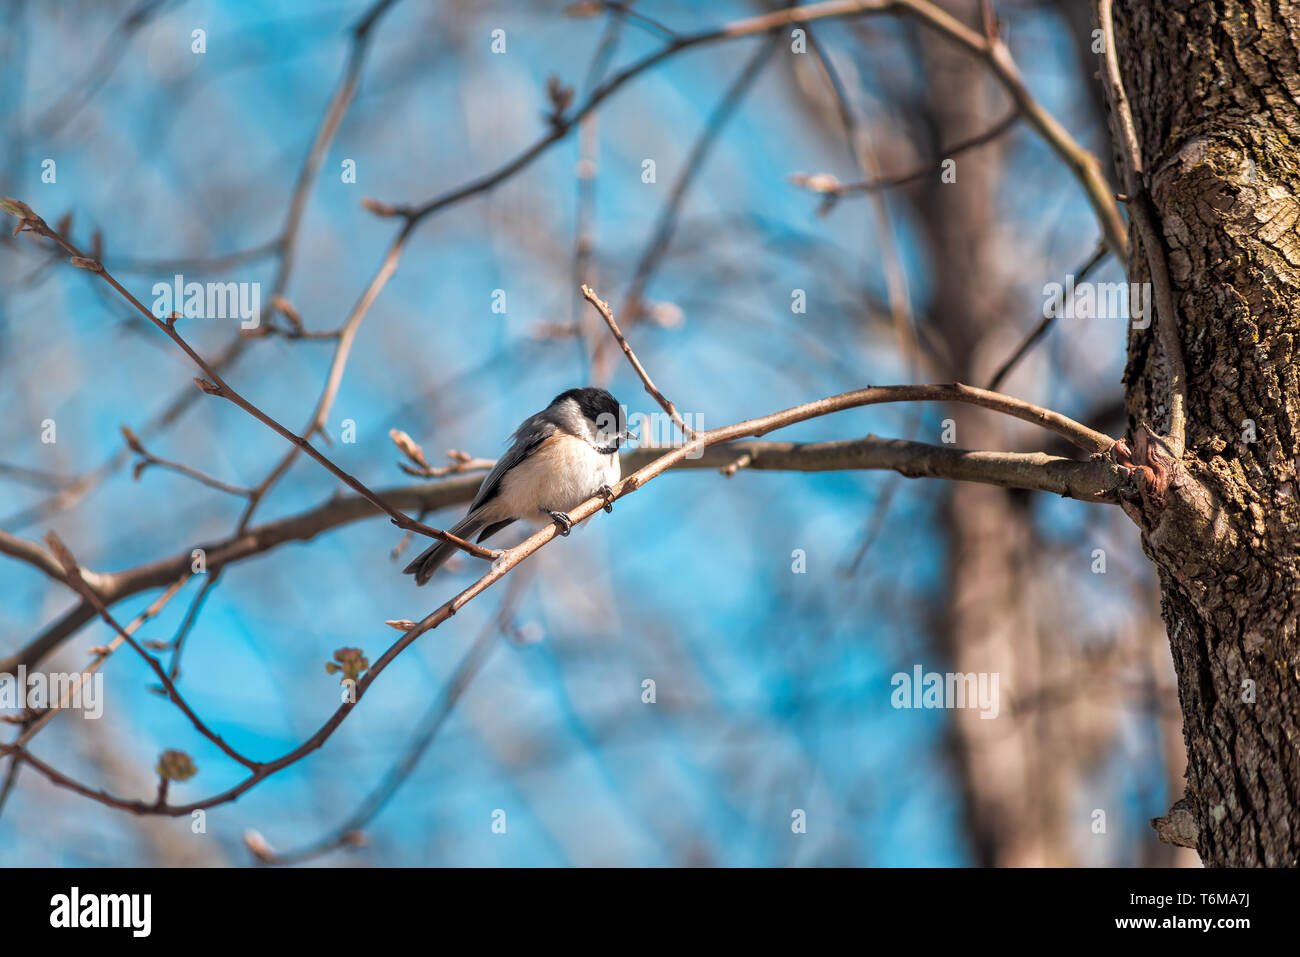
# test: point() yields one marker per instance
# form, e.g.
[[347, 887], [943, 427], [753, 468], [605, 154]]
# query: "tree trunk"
[[984, 627], [1023, 805], [1214, 87]]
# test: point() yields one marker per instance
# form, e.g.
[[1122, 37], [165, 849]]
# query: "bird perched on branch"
[[560, 457]]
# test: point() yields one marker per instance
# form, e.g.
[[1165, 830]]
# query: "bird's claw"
[[607, 494], [562, 520]]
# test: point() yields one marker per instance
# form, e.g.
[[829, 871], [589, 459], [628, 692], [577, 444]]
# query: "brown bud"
[[175, 766], [283, 306], [132, 442], [408, 447], [259, 847], [559, 94], [816, 182], [352, 662], [17, 208], [378, 208], [64, 556]]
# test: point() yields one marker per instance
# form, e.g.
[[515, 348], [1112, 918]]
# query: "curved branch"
[[602, 307], [1098, 478], [30, 222], [1035, 471], [283, 246]]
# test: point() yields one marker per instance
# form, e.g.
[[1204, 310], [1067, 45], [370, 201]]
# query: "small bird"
[[561, 457]]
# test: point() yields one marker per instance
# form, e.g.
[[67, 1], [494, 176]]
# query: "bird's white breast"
[[561, 474]]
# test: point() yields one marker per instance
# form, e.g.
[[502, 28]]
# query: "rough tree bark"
[[1215, 87]]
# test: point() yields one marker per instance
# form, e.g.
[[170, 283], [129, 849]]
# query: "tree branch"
[[73, 572], [603, 308], [29, 221], [284, 246], [1043, 325], [1035, 471], [1145, 217], [1102, 482]]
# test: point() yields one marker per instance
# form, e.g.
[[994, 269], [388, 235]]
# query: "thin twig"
[[666, 222], [1041, 328], [879, 183], [147, 458], [603, 308], [216, 385], [1145, 218], [73, 571], [284, 246]]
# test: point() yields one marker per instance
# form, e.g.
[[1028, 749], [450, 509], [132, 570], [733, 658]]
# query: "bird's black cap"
[[592, 402]]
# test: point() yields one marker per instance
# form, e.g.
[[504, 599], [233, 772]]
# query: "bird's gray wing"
[[531, 434]]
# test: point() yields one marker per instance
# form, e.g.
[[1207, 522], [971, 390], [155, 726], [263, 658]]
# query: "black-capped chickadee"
[[561, 457]]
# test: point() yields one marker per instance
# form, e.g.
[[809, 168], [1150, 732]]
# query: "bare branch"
[[147, 458], [1041, 328], [603, 308], [876, 184], [73, 573], [1145, 218], [217, 386], [284, 246]]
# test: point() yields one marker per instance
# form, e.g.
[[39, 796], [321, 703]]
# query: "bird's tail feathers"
[[437, 554]]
